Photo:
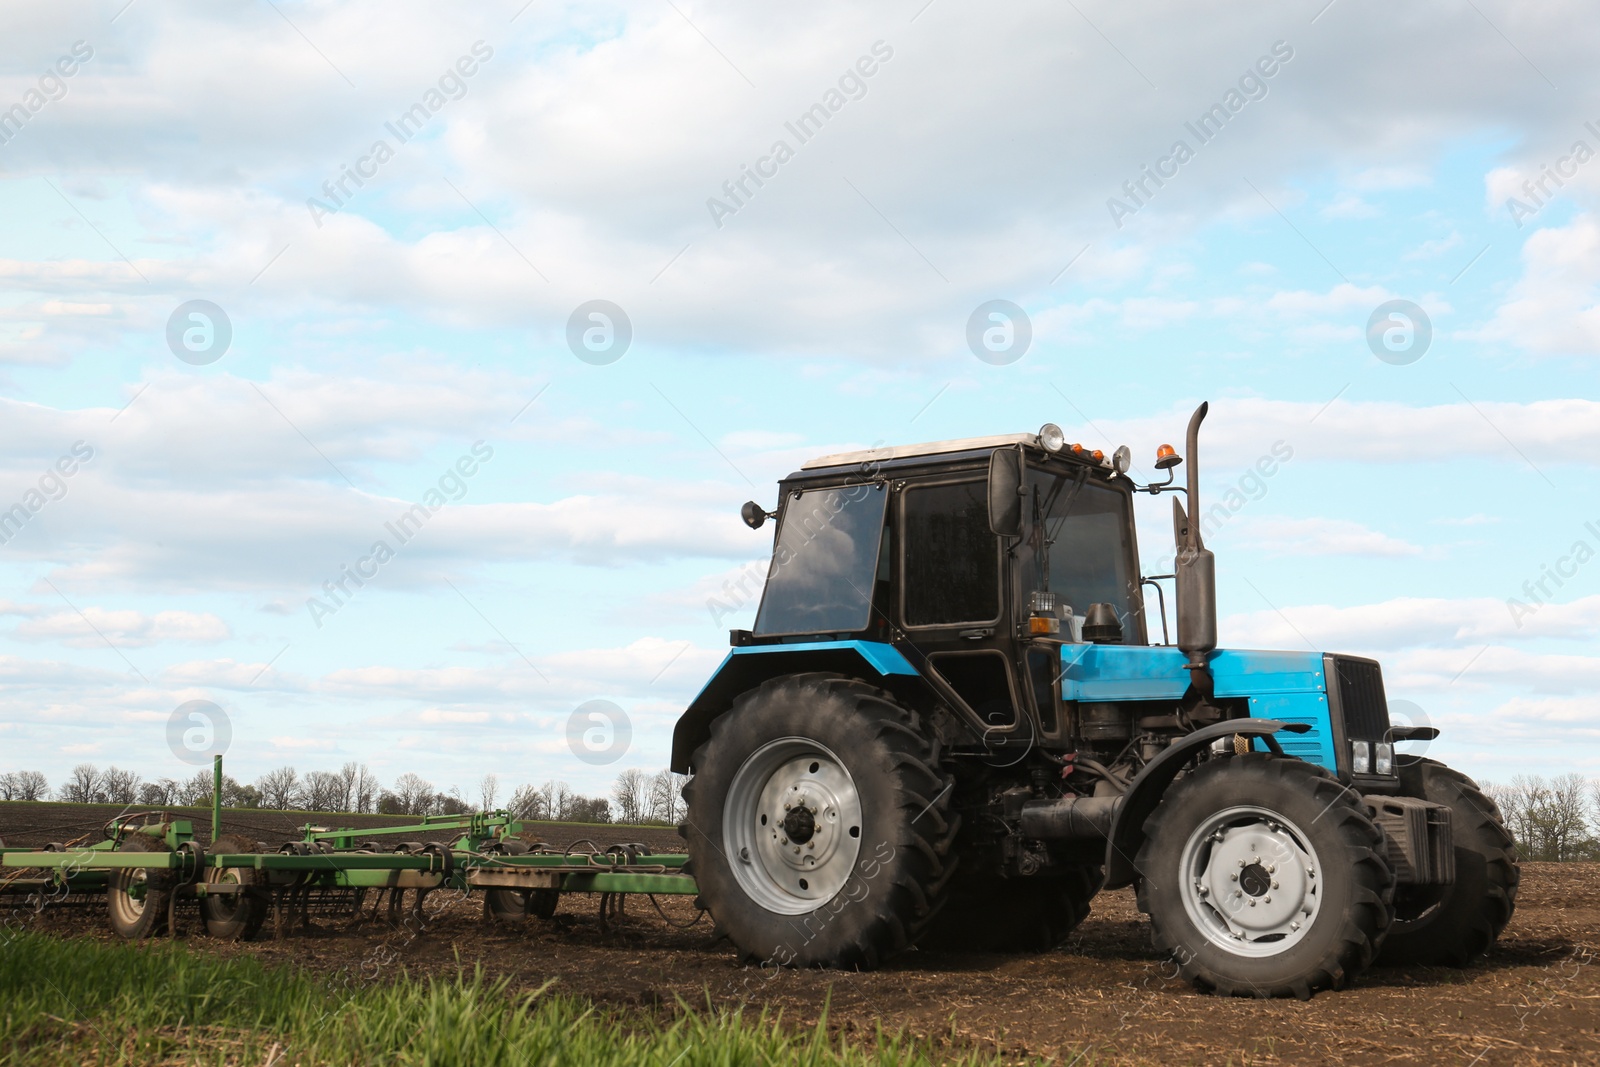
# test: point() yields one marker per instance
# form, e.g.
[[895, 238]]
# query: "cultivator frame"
[[335, 870]]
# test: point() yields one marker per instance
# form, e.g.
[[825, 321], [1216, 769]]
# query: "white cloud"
[[94, 627], [639, 123], [1554, 309], [1321, 537], [1349, 206], [1413, 622]]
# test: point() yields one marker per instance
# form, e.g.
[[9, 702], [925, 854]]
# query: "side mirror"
[[1005, 492], [753, 514]]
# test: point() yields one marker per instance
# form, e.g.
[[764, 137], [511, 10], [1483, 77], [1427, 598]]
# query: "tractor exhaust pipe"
[[1196, 570]]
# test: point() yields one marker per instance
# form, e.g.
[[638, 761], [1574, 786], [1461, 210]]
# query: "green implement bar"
[[578, 871], [604, 882], [327, 861], [581, 860], [83, 859]]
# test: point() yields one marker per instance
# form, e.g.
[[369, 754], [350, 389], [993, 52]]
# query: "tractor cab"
[[899, 546]]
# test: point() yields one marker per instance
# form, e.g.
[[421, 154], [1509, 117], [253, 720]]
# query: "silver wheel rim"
[[225, 906], [130, 909], [1250, 881], [792, 824]]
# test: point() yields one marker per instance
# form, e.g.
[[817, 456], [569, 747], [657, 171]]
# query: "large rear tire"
[[1035, 914], [1263, 876], [819, 824], [1454, 925]]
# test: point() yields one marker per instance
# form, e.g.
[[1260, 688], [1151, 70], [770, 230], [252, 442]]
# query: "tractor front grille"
[[1361, 699]]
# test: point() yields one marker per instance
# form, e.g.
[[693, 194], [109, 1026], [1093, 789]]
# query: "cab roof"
[[935, 448]]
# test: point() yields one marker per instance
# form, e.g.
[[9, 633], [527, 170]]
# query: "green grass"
[[78, 1001]]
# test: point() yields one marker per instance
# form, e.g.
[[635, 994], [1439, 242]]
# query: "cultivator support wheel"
[[138, 898], [235, 903]]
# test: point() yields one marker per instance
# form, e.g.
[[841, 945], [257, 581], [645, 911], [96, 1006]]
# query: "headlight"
[[1383, 758], [1051, 439], [1360, 757]]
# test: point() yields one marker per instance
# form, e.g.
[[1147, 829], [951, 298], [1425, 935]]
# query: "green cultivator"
[[150, 862]]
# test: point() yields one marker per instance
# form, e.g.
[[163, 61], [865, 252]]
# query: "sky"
[[273, 273]]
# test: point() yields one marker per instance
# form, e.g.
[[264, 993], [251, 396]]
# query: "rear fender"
[[750, 665]]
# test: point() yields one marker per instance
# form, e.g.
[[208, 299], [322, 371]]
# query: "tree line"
[[1553, 819], [639, 796]]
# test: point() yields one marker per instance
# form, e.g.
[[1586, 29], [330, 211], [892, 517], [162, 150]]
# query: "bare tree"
[[666, 797], [119, 786], [565, 800], [279, 788], [1568, 833], [366, 790], [235, 795], [587, 809], [632, 794], [23, 785], [82, 786], [488, 791], [414, 793], [548, 794], [527, 803], [1594, 797], [195, 791], [1549, 818], [450, 802], [348, 775], [322, 791], [158, 794]]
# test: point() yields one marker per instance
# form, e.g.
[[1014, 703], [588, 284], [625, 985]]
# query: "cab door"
[[954, 607]]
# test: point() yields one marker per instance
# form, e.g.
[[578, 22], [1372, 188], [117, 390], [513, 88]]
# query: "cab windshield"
[[824, 562]]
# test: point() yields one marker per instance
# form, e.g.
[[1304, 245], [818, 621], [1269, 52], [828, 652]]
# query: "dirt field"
[[1536, 1001]]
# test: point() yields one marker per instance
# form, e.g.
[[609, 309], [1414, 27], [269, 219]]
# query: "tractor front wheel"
[[1453, 925], [819, 824], [1263, 876]]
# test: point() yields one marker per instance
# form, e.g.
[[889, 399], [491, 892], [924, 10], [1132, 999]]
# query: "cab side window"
[[951, 560]]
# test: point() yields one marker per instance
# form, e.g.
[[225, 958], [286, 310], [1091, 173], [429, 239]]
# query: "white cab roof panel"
[[934, 448]]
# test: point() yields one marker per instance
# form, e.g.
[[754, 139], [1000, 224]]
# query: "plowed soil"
[[1105, 997]]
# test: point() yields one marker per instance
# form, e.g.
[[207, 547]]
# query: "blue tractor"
[[950, 727]]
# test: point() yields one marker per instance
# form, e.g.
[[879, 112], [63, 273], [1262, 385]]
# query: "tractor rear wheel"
[[234, 916], [136, 899], [1035, 914], [819, 824], [1453, 925], [1263, 876]]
